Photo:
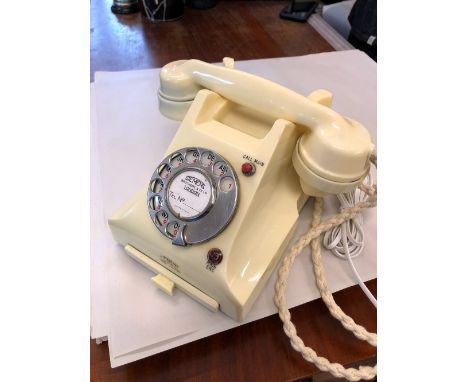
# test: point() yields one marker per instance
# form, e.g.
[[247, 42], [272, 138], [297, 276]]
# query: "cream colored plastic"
[[183, 285], [174, 109], [252, 242], [333, 148], [164, 284], [299, 146]]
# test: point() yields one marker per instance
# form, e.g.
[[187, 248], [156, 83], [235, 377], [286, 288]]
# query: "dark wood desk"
[[257, 351], [239, 29]]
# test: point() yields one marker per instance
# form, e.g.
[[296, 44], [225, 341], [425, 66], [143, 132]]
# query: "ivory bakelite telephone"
[[221, 205]]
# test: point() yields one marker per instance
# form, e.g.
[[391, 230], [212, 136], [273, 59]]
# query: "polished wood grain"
[[239, 29], [258, 351]]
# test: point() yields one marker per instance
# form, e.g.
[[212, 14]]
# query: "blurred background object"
[[201, 4], [299, 10], [162, 10], [363, 20], [356, 21], [124, 7], [336, 15]]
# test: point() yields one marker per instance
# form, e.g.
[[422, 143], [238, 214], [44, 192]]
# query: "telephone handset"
[[331, 156], [223, 203]]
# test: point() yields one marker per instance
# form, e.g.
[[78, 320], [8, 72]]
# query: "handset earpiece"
[[342, 165], [331, 157], [344, 169]]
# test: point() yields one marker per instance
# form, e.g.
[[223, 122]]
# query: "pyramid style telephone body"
[[221, 206]]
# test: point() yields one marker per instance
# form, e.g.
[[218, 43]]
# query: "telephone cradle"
[[221, 206]]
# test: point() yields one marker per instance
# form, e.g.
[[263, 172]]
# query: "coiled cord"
[[346, 241]]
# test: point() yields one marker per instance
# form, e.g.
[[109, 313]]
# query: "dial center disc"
[[189, 194]]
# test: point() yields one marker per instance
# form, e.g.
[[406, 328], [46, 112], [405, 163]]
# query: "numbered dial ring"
[[192, 195]]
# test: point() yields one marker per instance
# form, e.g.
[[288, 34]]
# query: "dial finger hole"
[[226, 184], [162, 217], [207, 158], [220, 169], [173, 228], [156, 203], [177, 160], [192, 156], [157, 186], [164, 171]]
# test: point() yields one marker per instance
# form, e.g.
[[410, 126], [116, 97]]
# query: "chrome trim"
[[216, 215]]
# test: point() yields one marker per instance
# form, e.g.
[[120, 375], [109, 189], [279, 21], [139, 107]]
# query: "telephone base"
[[268, 207]]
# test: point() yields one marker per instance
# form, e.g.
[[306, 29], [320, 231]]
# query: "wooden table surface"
[[239, 29], [259, 350]]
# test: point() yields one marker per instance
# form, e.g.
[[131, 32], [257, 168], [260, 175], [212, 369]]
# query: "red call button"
[[248, 169]]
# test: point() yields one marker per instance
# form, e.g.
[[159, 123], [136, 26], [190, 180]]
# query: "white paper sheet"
[[131, 139], [99, 296]]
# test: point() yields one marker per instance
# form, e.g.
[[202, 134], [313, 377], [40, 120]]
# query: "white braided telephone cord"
[[313, 236]]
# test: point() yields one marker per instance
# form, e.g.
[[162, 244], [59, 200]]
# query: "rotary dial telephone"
[[222, 204]]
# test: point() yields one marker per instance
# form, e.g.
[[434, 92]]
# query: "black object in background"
[[201, 4], [125, 7], [162, 10], [328, 2], [363, 20], [298, 10]]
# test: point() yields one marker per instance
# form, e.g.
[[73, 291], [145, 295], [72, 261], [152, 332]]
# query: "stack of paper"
[[129, 137]]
